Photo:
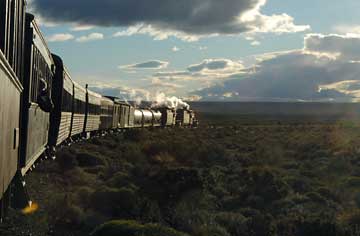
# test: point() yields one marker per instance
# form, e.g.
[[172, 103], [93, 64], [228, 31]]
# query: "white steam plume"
[[161, 100]]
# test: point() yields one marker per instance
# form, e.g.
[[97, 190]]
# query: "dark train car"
[[78, 115], [63, 99], [168, 116], [183, 117], [12, 20], [36, 103], [107, 110], [93, 111]]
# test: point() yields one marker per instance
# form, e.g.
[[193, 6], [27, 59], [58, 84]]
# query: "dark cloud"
[[346, 46], [196, 17], [155, 64]]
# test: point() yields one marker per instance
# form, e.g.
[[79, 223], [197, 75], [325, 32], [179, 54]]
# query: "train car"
[[131, 116], [124, 115], [78, 115], [116, 115], [107, 110], [36, 103], [156, 118], [183, 117], [93, 111], [147, 118], [138, 118], [193, 119], [12, 20], [168, 116], [63, 99]]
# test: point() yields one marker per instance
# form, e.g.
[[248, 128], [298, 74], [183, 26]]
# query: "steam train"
[[42, 107]]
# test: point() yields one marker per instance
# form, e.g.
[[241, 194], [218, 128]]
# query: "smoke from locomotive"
[[161, 100]]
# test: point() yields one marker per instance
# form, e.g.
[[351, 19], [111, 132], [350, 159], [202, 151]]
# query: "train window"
[[66, 102], [79, 106], [13, 20], [3, 17], [40, 71]]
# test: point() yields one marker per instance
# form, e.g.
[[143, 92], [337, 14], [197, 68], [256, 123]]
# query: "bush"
[[213, 230], [133, 228], [234, 223], [89, 160], [115, 202], [66, 160]]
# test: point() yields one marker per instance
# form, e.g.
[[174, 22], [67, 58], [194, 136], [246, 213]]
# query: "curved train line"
[[42, 107]]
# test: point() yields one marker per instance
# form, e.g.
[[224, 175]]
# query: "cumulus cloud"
[[156, 82], [153, 65], [215, 65], [347, 47], [186, 19], [347, 29], [123, 92], [90, 37], [255, 43], [175, 49], [77, 28], [60, 37], [324, 70]]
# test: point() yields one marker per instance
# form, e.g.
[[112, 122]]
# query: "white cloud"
[[215, 65], [255, 43], [90, 37], [347, 29], [60, 37], [152, 64], [77, 28], [156, 33], [203, 48], [175, 49]]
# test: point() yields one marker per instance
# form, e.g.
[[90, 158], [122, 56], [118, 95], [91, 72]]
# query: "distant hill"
[[335, 110]]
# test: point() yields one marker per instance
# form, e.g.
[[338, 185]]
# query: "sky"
[[208, 50]]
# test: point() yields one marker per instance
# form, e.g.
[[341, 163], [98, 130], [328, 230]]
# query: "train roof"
[[106, 101], [39, 40], [117, 100], [92, 93]]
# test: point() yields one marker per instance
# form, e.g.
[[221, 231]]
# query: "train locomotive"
[[42, 107]]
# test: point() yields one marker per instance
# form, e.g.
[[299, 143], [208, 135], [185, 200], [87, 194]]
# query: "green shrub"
[[133, 228], [66, 160], [114, 202], [90, 160], [213, 230], [234, 223], [353, 182]]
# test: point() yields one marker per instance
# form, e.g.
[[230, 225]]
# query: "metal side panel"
[[38, 130], [10, 90], [64, 129], [78, 124], [93, 123]]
